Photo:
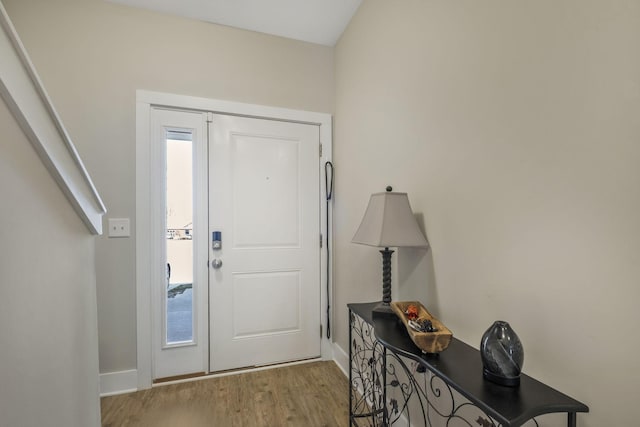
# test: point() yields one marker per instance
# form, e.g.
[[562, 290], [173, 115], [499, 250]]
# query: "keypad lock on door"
[[216, 245], [216, 240]]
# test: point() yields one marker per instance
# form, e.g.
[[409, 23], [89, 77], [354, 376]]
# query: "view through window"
[[179, 223]]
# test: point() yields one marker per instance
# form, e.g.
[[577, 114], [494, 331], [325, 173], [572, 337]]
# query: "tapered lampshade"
[[389, 222]]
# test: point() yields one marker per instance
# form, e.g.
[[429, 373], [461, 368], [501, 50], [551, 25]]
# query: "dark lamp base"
[[510, 382], [382, 309]]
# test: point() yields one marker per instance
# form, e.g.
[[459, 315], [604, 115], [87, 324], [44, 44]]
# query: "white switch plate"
[[119, 227]]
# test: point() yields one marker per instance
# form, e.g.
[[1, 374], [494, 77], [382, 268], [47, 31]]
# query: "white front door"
[[264, 279]]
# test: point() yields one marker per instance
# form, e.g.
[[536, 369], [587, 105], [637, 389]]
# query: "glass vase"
[[502, 354]]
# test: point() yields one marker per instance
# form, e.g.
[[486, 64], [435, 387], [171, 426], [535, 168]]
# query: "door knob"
[[216, 263]]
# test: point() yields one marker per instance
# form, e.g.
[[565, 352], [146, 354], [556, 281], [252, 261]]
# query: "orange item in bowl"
[[412, 312]]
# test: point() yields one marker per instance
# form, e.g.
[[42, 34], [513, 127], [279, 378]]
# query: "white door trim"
[[145, 100]]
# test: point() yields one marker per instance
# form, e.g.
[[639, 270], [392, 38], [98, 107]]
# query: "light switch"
[[119, 227]]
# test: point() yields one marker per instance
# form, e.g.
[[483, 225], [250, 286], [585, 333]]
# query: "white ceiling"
[[315, 21]]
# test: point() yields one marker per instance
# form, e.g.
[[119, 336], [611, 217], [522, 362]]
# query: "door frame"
[[145, 187]]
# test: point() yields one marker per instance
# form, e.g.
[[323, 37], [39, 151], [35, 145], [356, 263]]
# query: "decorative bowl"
[[428, 342]]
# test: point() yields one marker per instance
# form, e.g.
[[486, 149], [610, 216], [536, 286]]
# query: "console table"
[[393, 382]]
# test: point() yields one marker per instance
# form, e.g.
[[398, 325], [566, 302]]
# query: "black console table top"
[[460, 366]]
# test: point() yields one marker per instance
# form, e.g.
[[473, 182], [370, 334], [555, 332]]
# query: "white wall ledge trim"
[[24, 94]]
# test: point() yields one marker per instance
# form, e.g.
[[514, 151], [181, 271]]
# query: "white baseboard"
[[113, 383], [118, 382], [341, 358]]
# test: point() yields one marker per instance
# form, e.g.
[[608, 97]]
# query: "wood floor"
[[308, 395]]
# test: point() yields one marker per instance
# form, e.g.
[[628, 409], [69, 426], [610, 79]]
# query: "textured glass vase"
[[502, 354]]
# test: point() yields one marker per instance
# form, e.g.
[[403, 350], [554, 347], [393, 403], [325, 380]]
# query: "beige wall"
[[93, 55], [48, 315], [515, 128]]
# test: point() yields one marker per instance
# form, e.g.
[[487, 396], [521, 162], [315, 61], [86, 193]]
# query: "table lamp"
[[389, 222]]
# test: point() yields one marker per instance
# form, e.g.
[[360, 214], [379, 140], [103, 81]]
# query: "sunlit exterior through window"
[[179, 229]]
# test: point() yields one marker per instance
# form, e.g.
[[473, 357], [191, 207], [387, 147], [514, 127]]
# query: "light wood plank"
[[312, 394]]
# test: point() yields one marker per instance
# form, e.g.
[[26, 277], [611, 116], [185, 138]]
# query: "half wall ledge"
[[24, 94]]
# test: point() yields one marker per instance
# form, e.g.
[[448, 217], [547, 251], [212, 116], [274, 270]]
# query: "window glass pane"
[[179, 286]]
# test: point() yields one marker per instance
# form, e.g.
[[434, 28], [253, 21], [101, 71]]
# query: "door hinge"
[[320, 150], [320, 330], [320, 240], [209, 117]]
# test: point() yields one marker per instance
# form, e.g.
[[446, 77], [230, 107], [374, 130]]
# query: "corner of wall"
[[341, 358]]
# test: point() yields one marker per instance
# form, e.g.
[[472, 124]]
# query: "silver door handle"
[[216, 263]]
